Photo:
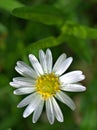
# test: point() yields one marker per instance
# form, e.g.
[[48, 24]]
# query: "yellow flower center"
[[47, 85]]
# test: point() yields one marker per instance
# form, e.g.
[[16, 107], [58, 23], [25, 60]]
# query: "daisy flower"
[[45, 83]]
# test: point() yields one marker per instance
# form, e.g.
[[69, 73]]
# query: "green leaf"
[[9, 5], [40, 31], [79, 31], [80, 46], [41, 44], [67, 6], [42, 13]]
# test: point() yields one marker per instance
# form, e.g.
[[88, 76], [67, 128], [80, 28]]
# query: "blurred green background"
[[68, 26]]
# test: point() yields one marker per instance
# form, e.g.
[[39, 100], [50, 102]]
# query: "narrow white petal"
[[64, 66], [24, 81], [32, 106], [59, 61], [42, 58], [72, 77], [38, 111], [49, 60], [65, 99], [36, 65], [25, 70], [26, 90], [13, 84], [73, 88], [50, 111], [21, 72], [20, 84], [27, 100], [57, 111]]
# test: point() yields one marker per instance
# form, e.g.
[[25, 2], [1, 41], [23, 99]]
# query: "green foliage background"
[[68, 26]]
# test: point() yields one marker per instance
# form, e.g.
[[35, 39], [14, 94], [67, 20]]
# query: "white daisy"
[[45, 83]]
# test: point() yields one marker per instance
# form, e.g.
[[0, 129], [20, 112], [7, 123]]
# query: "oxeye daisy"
[[45, 83]]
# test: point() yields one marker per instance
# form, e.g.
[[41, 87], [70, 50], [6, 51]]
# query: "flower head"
[[45, 83]]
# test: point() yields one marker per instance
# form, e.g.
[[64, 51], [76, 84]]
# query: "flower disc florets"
[[47, 85]]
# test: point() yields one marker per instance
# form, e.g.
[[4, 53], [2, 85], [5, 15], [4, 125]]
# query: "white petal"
[[23, 79], [26, 100], [32, 106], [72, 77], [13, 84], [42, 58], [36, 65], [26, 90], [38, 111], [23, 82], [64, 66], [57, 111], [21, 72], [59, 61], [49, 60], [65, 99], [25, 70], [20, 84], [50, 111], [73, 88]]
